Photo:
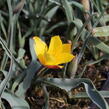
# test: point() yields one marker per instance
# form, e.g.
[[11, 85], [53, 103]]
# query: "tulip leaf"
[[101, 31], [105, 18], [99, 44], [48, 15], [69, 84], [57, 25], [30, 72], [105, 94], [3, 26], [77, 4], [15, 101], [68, 10], [9, 53], [33, 54]]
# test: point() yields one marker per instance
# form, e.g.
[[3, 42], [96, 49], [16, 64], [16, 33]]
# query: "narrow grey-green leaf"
[[6, 79], [76, 4], [8, 52], [21, 53], [30, 71], [19, 6], [48, 15], [104, 19], [68, 84], [15, 101], [105, 94], [56, 26], [33, 54], [2, 26], [68, 10], [101, 31], [99, 44]]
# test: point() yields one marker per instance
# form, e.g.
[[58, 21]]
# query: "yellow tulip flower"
[[56, 54]]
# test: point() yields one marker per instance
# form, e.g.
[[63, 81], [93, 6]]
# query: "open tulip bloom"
[[56, 54]]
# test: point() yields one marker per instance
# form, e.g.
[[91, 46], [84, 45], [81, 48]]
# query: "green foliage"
[[101, 31], [21, 20], [68, 84]]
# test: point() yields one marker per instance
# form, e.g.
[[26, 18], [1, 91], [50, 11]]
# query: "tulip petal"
[[66, 48], [50, 59], [55, 46], [55, 66], [39, 46], [57, 53], [64, 58], [42, 59]]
